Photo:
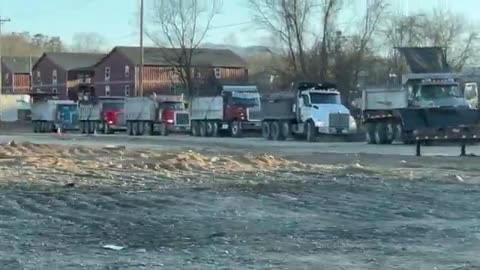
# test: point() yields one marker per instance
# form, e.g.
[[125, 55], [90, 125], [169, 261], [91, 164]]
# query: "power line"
[[231, 25]]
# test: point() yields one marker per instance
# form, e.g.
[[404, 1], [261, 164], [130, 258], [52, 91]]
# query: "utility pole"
[[140, 73], [2, 21]]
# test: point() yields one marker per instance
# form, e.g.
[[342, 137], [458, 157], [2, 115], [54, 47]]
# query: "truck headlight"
[[352, 124]]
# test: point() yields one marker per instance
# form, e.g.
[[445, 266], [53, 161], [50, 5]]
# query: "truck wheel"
[[390, 133], [236, 129], [40, 127], [370, 134], [163, 129], [209, 128], [202, 128], [148, 128], [312, 132], [107, 130], [129, 129], [381, 133], [266, 131], [194, 128], [214, 129], [276, 131], [35, 127], [141, 128], [134, 128], [285, 130], [91, 127]]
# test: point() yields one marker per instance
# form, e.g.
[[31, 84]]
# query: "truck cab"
[[321, 105], [435, 91]]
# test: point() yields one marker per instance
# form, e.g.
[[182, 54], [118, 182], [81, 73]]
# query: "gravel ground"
[[226, 209]]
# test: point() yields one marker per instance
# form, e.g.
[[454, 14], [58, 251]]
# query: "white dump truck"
[[158, 114], [50, 114], [308, 110]]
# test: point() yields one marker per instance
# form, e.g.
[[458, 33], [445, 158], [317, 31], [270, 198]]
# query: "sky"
[[115, 19]]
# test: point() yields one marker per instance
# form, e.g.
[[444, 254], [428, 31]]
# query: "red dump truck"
[[235, 110], [158, 114], [102, 114]]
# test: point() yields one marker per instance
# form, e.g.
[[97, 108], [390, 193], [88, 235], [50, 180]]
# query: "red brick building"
[[117, 73], [62, 73], [16, 74]]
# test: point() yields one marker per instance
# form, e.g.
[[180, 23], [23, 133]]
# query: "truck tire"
[[215, 129], [129, 129], [135, 128], [285, 129], [108, 130], [41, 127], [194, 128], [370, 133], [311, 132], [266, 131], [276, 130], [202, 128], [91, 127], [209, 128], [381, 136], [141, 128], [163, 129], [236, 129], [35, 127], [148, 129]]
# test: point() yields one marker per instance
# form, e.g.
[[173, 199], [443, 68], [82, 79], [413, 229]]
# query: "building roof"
[[19, 64], [167, 56], [70, 61]]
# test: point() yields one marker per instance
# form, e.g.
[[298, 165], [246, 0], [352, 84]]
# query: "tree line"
[[312, 42]]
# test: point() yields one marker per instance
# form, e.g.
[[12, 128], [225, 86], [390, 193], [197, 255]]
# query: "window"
[[107, 90], [127, 90], [107, 73], [173, 88], [127, 72], [218, 73], [54, 76], [54, 90], [38, 74], [7, 77]]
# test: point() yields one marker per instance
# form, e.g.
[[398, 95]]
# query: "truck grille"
[[120, 118], [339, 120], [182, 119]]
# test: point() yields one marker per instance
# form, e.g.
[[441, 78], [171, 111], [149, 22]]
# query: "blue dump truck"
[[428, 106], [50, 114]]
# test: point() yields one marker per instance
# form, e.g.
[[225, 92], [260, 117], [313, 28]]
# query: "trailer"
[[426, 107], [234, 111], [50, 114], [309, 110], [158, 114], [104, 114]]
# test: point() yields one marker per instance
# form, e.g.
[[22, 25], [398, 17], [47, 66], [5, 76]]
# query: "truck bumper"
[[179, 129], [336, 131], [256, 125]]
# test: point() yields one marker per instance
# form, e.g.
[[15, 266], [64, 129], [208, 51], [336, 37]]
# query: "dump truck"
[[235, 110], [308, 110], [50, 114], [157, 114], [428, 106], [103, 114]]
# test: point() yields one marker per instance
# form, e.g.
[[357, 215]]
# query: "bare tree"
[[370, 24], [288, 21], [330, 8], [180, 26], [88, 42]]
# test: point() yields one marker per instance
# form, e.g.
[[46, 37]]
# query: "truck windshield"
[[324, 98], [431, 92], [246, 99], [172, 105]]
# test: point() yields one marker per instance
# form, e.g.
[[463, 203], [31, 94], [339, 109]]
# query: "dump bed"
[[140, 109], [207, 108], [47, 110], [384, 99], [92, 111], [278, 109]]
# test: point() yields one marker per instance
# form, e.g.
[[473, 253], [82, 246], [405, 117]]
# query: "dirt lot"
[[228, 209]]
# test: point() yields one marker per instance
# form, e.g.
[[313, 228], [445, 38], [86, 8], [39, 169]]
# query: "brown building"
[[117, 73], [16, 74], [62, 73]]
